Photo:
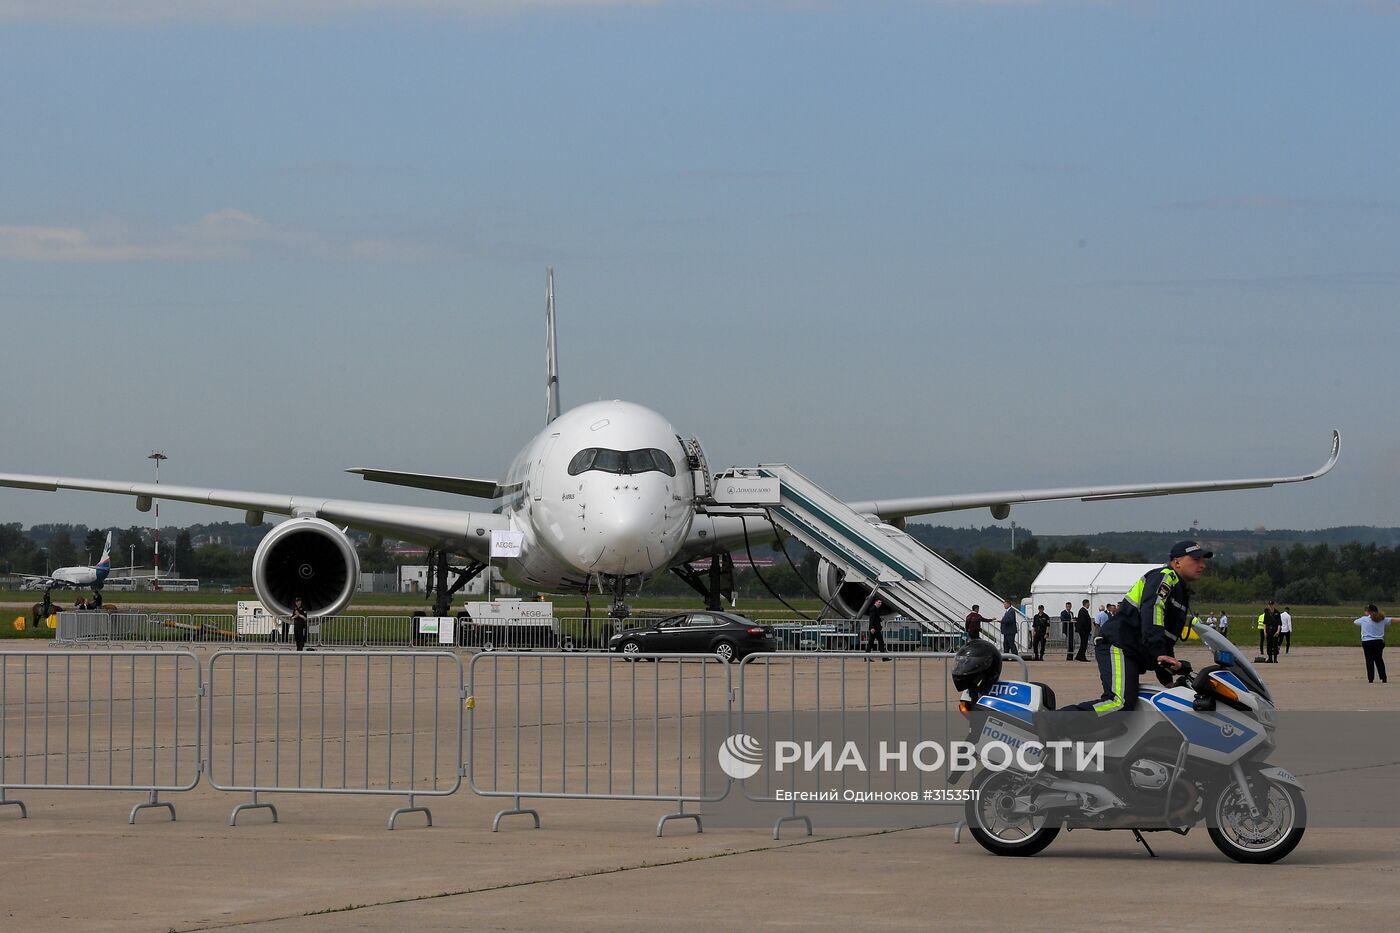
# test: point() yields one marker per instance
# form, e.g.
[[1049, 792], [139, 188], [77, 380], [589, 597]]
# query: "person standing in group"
[[973, 623], [1067, 623], [1099, 620], [1373, 625], [1224, 624], [1083, 625], [1285, 631], [299, 623], [1272, 623], [1259, 624], [1040, 632], [877, 628], [1008, 627], [1211, 621]]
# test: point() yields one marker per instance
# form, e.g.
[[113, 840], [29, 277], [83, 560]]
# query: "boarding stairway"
[[916, 581]]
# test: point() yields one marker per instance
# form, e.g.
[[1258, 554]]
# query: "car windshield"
[[624, 462]]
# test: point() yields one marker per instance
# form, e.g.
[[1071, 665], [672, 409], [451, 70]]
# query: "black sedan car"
[[723, 634]]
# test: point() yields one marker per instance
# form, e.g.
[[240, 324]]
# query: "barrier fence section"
[[102, 720], [335, 722], [170, 629], [795, 695], [596, 727]]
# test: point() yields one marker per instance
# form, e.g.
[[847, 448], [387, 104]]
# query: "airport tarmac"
[[330, 863]]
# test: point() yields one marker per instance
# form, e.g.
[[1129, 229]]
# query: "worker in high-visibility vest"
[[1260, 626]]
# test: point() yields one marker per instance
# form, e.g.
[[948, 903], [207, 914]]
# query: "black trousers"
[[1038, 643], [1008, 642], [300, 631], [877, 633], [1287, 639], [1261, 641], [1373, 650], [1271, 645], [1083, 642], [1069, 641]]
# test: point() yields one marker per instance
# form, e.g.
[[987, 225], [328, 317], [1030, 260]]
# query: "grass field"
[[1313, 626]]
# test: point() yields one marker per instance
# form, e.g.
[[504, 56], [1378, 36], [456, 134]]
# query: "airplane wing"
[[464, 532], [27, 577], [1000, 502], [457, 485]]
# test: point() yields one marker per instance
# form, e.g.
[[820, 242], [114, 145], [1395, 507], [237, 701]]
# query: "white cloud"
[[226, 235]]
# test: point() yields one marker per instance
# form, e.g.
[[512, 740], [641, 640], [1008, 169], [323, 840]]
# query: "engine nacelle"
[[310, 558], [845, 598]]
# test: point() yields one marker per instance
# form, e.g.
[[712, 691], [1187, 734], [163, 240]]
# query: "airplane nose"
[[630, 525]]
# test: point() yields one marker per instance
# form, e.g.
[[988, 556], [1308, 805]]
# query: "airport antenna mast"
[[157, 456]]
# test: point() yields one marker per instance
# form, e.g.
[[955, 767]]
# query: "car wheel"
[[724, 650], [630, 649]]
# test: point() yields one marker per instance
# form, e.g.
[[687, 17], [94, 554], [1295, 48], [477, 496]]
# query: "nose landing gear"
[[619, 587]]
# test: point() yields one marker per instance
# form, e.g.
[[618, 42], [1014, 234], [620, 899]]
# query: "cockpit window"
[[624, 462]]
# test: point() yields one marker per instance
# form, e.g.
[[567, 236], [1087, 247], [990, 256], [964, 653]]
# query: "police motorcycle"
[[1196, 751]]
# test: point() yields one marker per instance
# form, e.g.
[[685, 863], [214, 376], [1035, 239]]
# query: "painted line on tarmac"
[[621, 869]]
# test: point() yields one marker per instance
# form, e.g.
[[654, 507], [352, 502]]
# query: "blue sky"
[[908, 247]]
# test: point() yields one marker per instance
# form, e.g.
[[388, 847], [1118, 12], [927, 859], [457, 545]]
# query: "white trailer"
[[508, 623]]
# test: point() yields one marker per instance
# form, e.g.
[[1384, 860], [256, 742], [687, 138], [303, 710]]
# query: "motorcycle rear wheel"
[[999, 831], [1267, 839]]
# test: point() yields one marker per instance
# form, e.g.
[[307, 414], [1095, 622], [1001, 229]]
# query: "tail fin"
[[106, 561], [551, 385]]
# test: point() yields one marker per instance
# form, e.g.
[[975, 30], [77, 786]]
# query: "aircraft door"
[[537, 468]]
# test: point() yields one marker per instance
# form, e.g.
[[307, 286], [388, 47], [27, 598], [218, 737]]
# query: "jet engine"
[[310, 558], [845, 598]]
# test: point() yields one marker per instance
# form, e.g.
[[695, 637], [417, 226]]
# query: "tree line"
[[1315, 574]]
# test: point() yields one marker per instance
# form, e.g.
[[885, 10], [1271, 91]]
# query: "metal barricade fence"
[[335, 722], [388, 632], [101, 720], [786, 695], [74, 628], [595, 727]]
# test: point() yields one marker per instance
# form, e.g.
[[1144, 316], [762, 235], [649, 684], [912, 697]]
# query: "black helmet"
[[976, 666]]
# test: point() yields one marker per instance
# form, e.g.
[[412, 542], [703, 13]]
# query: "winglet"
[[1331, 460], [551, 385]]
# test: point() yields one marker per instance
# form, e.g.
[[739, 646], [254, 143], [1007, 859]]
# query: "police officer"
[[1040, 632], [1143, 633], [298, 624], [1273, 622]]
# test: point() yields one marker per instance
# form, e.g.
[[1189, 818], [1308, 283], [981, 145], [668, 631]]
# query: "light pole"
[[157, 456], [46, 560], [131, 564]]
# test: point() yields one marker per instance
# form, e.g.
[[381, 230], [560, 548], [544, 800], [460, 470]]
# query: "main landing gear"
[[720, 583], [438, 587]]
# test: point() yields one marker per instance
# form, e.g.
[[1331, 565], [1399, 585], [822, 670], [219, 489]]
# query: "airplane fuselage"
[[604, 491], [79, 576]]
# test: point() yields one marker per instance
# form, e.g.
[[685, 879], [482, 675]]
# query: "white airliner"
[[604, 496], [73, 578]]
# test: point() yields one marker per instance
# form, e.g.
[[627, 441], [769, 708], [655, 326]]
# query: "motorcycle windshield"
[[1219, 645]]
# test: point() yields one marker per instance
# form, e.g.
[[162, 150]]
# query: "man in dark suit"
[[1084, 625], [1067, 623]]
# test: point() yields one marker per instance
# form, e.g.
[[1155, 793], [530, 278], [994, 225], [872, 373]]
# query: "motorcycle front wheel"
[[1267, 838], [993, 824]]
